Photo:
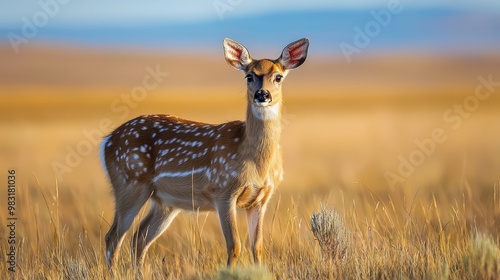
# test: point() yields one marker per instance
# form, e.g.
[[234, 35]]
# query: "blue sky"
[[135, 12], [423, 25]]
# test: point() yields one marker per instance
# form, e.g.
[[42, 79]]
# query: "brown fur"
[[185, 165]]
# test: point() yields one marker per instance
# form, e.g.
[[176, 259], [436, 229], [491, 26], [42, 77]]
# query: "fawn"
[[179, 164]]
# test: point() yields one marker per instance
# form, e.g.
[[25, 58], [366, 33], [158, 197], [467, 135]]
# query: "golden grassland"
[[441, 220]]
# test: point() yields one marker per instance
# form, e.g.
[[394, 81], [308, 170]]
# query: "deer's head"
[[264, 76]]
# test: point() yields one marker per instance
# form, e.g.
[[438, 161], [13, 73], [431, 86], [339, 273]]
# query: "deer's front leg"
[[226, 210], [255, 218]]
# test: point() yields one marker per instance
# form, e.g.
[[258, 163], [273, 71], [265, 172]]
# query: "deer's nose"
[[262, 96]]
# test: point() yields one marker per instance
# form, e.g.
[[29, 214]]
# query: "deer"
[[179, 164]]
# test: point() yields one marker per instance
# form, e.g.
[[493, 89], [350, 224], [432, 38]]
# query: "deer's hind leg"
[[128, 202], [152, 226]]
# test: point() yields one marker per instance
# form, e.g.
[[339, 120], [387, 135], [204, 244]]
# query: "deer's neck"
[[262, 134]]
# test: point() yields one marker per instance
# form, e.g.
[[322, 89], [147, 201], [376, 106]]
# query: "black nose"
[[262, 96]]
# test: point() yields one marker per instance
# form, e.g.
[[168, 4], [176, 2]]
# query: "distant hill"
[[435, 30]]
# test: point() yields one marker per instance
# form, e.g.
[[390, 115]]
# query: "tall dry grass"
[[60, 236]]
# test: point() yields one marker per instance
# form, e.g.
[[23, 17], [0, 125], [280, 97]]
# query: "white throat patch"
[[266, 113]]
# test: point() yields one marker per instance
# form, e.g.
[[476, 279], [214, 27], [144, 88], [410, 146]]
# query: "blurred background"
[[396, 97]]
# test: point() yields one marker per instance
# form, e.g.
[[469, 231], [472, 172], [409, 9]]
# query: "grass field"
[[345, 133]]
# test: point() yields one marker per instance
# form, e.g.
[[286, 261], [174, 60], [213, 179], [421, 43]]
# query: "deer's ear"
[[236, 54], [294, 54]]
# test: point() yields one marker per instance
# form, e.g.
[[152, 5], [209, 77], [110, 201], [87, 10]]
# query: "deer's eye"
[[278, 78], [249, 78]]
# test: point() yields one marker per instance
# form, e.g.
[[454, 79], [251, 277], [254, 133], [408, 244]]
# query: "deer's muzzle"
[[262, 97]]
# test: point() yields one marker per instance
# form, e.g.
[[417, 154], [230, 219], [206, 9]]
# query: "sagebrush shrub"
[[329, 229]]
